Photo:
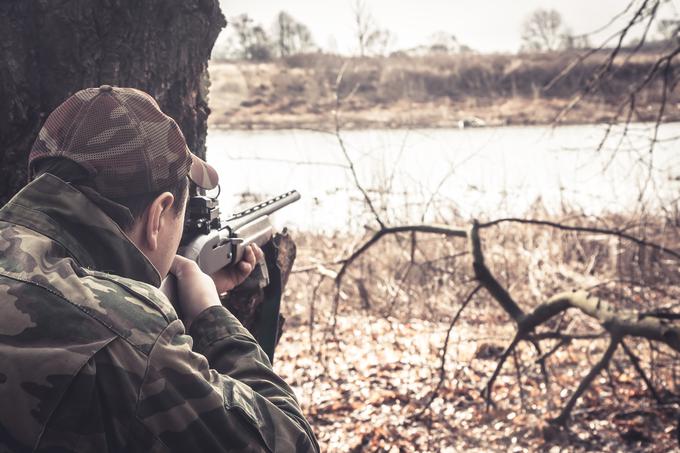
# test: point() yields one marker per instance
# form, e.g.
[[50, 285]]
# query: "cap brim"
[[203, 174]]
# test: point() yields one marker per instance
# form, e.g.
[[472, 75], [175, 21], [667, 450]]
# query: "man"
[[92, 354]]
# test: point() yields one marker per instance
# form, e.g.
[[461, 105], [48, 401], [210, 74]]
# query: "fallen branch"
[[617, 324]]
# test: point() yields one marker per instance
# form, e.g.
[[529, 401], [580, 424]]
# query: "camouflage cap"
[[121, 137]]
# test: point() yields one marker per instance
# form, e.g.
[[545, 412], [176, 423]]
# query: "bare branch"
[[603, 231], [442, 363], [341, 142], [600, 73], [585, 383], [431, 229], [489, 385], [487, 280], [636, 364]]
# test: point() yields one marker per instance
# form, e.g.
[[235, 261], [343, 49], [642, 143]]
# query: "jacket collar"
[[61, 212]]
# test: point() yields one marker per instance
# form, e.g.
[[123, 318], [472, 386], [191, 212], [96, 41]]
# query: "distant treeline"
[[382, 80]]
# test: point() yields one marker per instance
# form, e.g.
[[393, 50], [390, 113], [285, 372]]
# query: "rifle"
[[214, 243]]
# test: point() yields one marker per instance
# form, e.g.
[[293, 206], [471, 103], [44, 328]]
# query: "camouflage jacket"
[[93, 357]]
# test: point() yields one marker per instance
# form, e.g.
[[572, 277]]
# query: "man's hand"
[[229, 278], [196, 291]]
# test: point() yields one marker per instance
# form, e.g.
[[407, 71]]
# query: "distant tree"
[[443, 42], [226, 47], [669, 30], [380, 42], [291, 36], [260, 48], [370, 38], [254, 43], [364, 24], [570, 41], [543, 30]]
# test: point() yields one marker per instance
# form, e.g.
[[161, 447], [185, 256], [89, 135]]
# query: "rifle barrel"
[[265, 208]]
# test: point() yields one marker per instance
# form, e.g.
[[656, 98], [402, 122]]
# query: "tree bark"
[[51, 49]]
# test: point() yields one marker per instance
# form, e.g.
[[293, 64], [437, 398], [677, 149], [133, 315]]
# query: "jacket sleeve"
[[221, 396]]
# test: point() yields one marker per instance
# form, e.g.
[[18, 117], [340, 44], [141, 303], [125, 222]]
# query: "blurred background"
[[552, 123]]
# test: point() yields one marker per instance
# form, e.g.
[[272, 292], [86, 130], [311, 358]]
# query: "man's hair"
[[71, 172], [137, 204]]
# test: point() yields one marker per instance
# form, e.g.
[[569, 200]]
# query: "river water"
[[437, 174]]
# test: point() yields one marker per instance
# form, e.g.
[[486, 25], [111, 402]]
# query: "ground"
[[363, 393], [367, 372]]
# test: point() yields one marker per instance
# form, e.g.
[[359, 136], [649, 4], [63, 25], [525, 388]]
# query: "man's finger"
[[245, 268], [259, 254], [249, 255]]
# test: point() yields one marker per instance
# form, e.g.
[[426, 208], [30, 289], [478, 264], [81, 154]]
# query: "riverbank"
[[435, 91]]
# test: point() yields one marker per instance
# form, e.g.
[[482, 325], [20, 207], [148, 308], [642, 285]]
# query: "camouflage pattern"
[[93, 357], [121, 137]]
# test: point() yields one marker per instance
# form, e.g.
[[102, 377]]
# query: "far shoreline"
[[329, 127], [430, 92]]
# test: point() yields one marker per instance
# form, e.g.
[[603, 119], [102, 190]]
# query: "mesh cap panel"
[[122, 138]]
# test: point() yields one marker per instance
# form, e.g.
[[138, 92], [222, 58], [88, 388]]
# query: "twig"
[[341, 142], [442, 363], [603, 231], [423, 228], [431, 229], [570, 67], [541, 362], [602, 71], [635, 360], [585, 383], [489, 385], [518, 374], [553, 350]]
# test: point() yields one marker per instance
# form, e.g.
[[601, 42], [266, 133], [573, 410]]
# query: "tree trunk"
[[49, 50]]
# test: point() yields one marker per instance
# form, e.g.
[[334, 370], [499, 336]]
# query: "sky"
[[484, 25]]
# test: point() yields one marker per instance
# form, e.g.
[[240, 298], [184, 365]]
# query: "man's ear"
[[156, 218]]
